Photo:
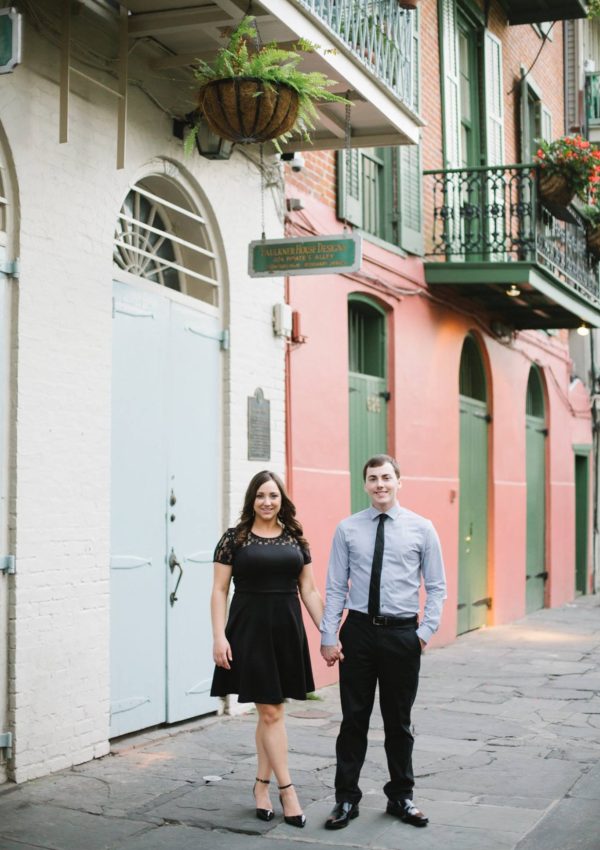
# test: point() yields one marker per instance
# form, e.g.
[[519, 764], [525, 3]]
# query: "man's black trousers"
[[391, 657]]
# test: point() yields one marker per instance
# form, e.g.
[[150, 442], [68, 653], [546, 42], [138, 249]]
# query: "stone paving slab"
[[57, 828], [572, 823]]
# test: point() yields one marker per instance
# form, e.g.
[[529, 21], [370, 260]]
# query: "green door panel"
[[536, 513], [581, 522], [368, 429], [472, 560]]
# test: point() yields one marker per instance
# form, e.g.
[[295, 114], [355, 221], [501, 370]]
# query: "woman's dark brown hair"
[[286, 515]]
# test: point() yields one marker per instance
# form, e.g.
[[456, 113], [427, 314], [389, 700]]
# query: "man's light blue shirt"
[[412, 552]]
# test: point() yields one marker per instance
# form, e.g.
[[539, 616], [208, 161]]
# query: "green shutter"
[[450, 82], [411, 198], [494, 101], [524, 116], [546, 124], [349, 181], [416, 61]]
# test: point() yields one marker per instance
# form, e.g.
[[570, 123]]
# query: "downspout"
[[595, 455], [289, 480]]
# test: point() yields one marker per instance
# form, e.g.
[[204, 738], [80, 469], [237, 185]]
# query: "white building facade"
[[133, 344]]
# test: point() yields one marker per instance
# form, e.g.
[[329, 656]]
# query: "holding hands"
[[331, 654]]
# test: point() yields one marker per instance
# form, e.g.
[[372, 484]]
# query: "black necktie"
[[375, 585]]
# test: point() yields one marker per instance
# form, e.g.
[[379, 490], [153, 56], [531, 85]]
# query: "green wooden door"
[[473, 600], [535, 421], [367, 385], [581, 521]]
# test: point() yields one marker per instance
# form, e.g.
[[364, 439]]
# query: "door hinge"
[[10, 268], [543, 575], [225, 340], [6, 743], [487, 601], [8, 565]]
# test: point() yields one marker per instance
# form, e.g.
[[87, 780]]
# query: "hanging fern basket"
[[408, 4], [248, 110], [555, 189]]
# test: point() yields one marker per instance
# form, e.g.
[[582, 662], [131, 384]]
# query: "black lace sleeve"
[[225, 548], [306, 554]]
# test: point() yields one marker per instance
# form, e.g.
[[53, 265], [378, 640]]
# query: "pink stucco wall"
[[426, 337]]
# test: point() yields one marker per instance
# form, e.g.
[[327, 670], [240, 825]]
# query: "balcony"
[[368, 47], [538, 11], [492, 243]]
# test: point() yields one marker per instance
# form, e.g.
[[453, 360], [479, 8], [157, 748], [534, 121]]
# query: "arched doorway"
[[166, 457], [473, 599], [367, 384], [535, 423]]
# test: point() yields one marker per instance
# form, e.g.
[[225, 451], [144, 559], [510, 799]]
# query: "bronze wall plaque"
[[259, 427]]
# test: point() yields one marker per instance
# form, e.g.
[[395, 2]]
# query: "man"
[[378, 558]]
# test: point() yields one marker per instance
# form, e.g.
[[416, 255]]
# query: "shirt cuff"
[[425, 633], [329, 639]]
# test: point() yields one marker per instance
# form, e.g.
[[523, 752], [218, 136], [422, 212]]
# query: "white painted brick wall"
[[70, 196]]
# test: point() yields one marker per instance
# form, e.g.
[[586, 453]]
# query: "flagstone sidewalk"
[[507, 726]]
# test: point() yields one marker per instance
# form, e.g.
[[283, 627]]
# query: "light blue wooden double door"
[[166, 499]]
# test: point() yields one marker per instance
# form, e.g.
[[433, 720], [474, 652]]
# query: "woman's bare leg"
[[263, 771], [271, 733]]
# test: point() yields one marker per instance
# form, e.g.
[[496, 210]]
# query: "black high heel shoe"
[[263, 814], [292, 820]]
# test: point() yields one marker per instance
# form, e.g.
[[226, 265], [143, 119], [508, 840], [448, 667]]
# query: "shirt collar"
[[392, 513]]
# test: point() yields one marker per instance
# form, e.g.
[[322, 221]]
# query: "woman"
[[262, 654]]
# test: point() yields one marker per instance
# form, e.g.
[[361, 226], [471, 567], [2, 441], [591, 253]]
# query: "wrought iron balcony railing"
[[494, 215], [592, 99], [380, 34]]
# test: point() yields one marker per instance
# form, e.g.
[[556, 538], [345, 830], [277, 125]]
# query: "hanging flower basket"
[[556, 189], [593, 240], [408, 4], [247, 110]]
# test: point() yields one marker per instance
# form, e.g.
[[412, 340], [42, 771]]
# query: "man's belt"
[[409, 621]]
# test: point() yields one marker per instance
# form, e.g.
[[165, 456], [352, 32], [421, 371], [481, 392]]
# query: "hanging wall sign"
[[309, 255]]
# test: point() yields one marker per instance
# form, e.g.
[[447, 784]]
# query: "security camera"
[[294, 160]]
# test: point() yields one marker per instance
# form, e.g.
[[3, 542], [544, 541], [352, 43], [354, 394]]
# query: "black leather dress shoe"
[[341, 815], [406, 810]]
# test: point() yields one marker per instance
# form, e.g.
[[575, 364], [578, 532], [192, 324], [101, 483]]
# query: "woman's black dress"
[[264, 629]]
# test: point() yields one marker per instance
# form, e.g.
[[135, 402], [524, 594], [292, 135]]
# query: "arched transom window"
[[160, 238]]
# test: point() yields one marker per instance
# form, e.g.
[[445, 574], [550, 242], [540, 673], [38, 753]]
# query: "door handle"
[[173, 565], [469, 536], [487, 601]]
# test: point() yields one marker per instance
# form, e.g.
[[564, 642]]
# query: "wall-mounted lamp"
[[513, 291], [583, 329], [208, 144]]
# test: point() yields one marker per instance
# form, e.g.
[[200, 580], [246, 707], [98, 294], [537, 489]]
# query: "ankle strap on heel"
[[283, 787], [264, 781]]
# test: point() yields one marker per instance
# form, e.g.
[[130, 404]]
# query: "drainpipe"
[[595, 455], [288, 407]]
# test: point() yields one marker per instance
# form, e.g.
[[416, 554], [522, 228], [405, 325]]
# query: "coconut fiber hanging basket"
[[245, 109]]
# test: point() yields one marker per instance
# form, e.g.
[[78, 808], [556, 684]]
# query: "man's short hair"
[[381, 460]]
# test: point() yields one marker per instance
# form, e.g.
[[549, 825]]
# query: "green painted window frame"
[[471, 370], [356, 301], [389, 208]]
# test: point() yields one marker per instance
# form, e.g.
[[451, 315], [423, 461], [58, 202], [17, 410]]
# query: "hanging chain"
[[347, 154], [262, 192]]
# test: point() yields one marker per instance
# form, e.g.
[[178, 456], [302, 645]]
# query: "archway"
[[367, 385], [535, 423], [166, 455], [473, 599]]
